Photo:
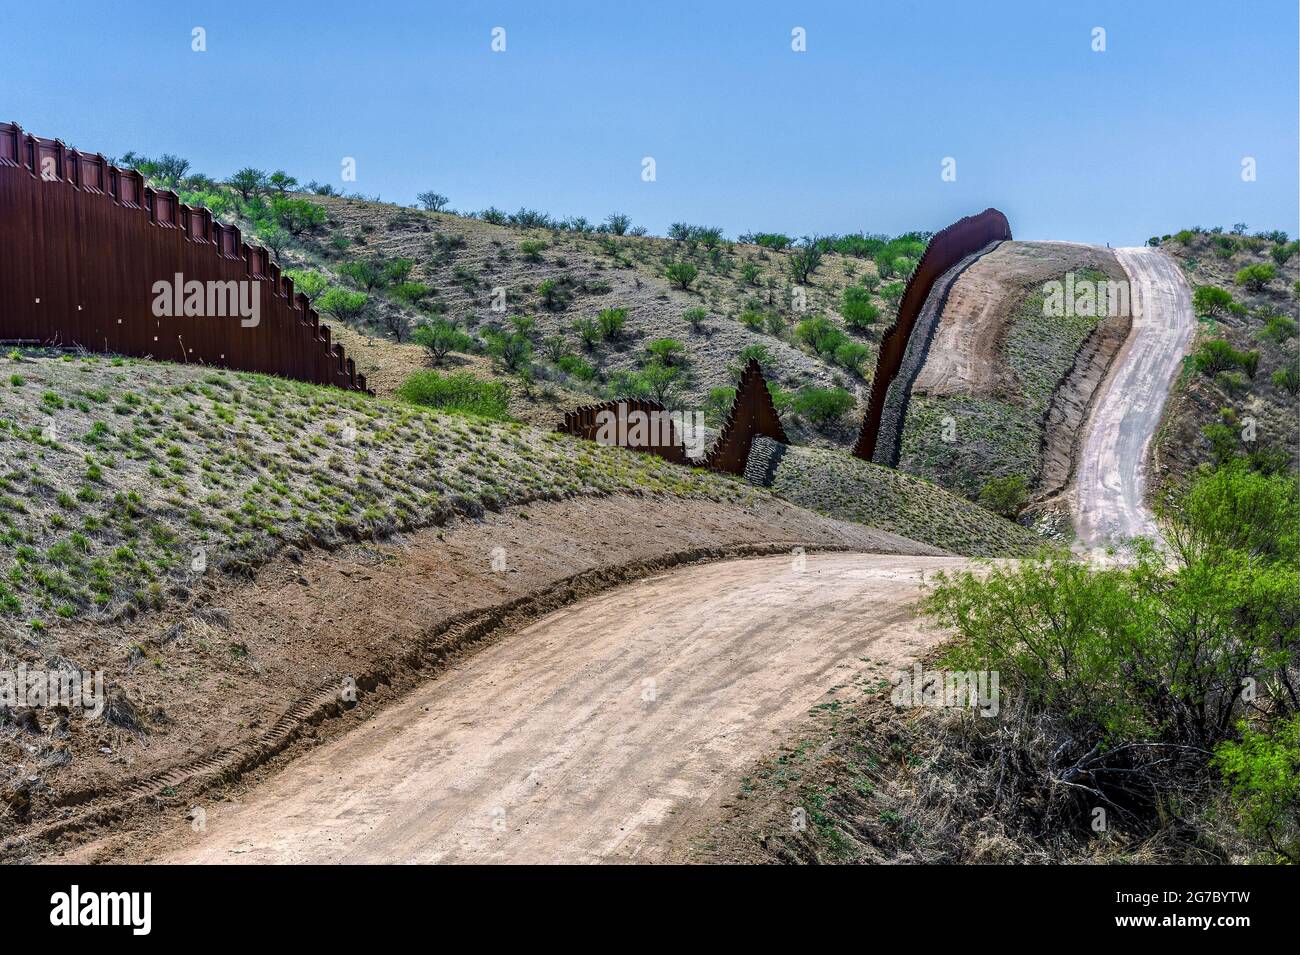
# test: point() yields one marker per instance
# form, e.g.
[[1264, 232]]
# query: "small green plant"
[[682, 274], [611, 322], [344, 305], [696, 317], [440, 338], [532, 249], [857, 308], [667, 351], [1210, 300]]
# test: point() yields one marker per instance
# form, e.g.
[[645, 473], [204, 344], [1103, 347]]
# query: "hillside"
[[561, 310], [1239, 387]]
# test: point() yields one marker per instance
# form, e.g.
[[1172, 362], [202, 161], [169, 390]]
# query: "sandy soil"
[[1110, 484], [604, 732]]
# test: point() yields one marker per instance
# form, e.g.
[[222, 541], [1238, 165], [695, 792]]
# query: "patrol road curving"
[[607, 731]]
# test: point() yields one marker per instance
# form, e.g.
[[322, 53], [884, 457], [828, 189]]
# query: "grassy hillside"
[[1242, 378], [837, 484], [119, 475]]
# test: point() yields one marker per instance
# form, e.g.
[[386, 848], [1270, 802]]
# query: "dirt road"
[[603, 732], [1110, 485]]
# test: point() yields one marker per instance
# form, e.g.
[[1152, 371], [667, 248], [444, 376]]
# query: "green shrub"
[[311, 284], [588, 332], [823, 407], [460, 392], [695, 317], [297, 216], [667, 351], [851, 355], [1288, 378], [751, 318], [1279, 328], [717, 404], [1262, 772], [1210, 300], [1005, 495], [682, 274], [892, 292], [1256, 277], [575, 366], [532, 249], [1215, 355], [820, 334], [410, 293], [611, 322], [342, 304], [806, 259], [857, 308], [367, 274], [440, 338], [512, 350]]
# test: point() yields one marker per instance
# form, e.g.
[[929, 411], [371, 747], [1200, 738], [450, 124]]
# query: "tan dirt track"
[[1110, 486], [607, 731]]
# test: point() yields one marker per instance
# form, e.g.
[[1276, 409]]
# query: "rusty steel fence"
[[752, 415], [92, 257], [948, 247]]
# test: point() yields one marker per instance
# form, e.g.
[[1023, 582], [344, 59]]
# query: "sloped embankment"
[[1006, 384], [848, 488]]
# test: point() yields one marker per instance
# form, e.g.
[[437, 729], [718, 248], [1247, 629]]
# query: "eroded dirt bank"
[[251, 673], [608, 731]]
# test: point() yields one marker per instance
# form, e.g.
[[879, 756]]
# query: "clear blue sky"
[[1144, 138]]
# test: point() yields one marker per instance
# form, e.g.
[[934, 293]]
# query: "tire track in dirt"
[[1110, 484]]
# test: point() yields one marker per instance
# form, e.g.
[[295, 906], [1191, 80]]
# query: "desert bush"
[[823, 407], [806, 258], [1256, 277], [1288, 378], [618, 223], [410, 293], [682, 274], [532, 249], [494, 216], [1279, 328], [892, 292], [717, 405], [513, 351], [775, 241], [1005, 495], [367, 274], [588, 332], [282, 182], [667, 351], [297, 216], [575, 366], [611, 322], [1215, 355], [248, 182], [555, 294], [857, 308], [820, 334], [1118, 682], [751, 318], [1262, 772], [309, 283], [1210, 300], [440, 338], [696, 317], [852, 355], [344, 305], [460, 393]]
